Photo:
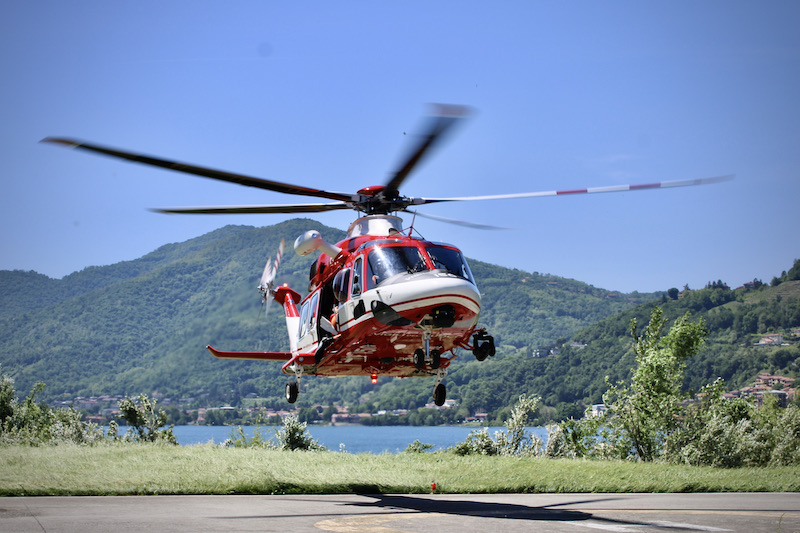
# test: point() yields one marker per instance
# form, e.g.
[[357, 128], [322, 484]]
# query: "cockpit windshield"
[[383, 262], [450, 260], [387, 261]]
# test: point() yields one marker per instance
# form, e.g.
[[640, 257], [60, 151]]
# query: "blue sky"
[[324, 94]]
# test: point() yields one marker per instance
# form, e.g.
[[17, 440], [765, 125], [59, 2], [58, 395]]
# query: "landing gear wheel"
[[419, 359], [439, 394], [436, 359], [292, 390]]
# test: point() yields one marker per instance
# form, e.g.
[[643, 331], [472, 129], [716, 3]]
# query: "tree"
[[673, 293], [145, 421], [294, 436], [645, 413]]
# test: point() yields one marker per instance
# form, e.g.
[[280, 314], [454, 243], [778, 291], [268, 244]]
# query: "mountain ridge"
[[141, 325]]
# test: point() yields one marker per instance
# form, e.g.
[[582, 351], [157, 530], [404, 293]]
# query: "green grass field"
[[113, 469]]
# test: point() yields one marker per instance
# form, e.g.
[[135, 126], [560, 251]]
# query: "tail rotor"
[[267, 283]]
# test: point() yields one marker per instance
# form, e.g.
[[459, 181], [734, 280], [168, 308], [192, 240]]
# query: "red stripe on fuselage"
[[290, 309], [399, 304]]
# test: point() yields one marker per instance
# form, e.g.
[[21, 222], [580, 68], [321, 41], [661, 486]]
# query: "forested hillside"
[[574, 378], [736, 320], [142, 325]]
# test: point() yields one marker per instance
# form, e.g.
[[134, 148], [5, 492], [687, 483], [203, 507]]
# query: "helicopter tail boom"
[[257, 356]]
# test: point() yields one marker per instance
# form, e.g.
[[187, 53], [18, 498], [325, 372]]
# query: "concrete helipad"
[[769, 512]]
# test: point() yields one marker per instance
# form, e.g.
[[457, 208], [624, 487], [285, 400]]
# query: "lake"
[[356, 438]]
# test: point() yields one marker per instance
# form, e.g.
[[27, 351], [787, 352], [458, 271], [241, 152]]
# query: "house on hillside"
[[765, 378], [448, 404], [765, 384], [773, 339], [781, 396], [598, 409]]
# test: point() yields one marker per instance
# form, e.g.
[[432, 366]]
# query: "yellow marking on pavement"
[[369, 523]]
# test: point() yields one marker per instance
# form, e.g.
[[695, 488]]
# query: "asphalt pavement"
[[630, 513]]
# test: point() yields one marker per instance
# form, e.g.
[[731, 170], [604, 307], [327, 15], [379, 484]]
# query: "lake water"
[[356, 438]]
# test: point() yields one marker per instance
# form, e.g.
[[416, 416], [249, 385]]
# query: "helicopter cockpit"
[[449, 260], [387, 262]]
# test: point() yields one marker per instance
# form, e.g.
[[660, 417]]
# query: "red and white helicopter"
[[382, 302]]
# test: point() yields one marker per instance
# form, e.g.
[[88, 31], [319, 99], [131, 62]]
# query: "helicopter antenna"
[[411, 227]]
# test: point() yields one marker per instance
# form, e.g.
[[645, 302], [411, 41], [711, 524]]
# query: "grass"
[[207, 469]]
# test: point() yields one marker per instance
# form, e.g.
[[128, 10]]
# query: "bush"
[[418, 447], [293, 436], [146, 422], [516, 440], [578, 439], [35, 424], [786, 434], [238, 439]]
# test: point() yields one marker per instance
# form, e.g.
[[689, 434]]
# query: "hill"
[[574, 378], [736, 320], [141, 325]]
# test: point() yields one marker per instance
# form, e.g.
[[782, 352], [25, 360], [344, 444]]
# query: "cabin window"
[[303, 320], [341, 283], [314, 309], [308, 316], [388, 261], [449, 260], [358, 268]]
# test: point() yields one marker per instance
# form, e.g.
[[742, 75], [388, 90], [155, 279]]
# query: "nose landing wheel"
[[439, 390], [439, 394], [292, 390]]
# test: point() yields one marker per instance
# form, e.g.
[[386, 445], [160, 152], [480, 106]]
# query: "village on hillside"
[[766, 383]]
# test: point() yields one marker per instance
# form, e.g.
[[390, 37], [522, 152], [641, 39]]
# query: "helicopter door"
[[327, 307], [309, 321], [354, 308]]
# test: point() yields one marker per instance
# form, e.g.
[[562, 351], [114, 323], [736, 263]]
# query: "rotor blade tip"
[[60, 140], [450, 110]]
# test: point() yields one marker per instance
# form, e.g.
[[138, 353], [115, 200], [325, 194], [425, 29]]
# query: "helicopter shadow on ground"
[[433, 504]]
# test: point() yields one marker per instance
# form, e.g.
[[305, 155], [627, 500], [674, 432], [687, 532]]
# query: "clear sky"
[[325, 94]]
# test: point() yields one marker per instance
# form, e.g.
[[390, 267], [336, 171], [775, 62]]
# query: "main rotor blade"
[[441, 121], [254, 209], [457, 222], [221, 175], [589, 190]]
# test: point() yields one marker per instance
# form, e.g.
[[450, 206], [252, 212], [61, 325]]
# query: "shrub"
[[34, 424], [516, 440], [146, 422], [294, 436], [418, 447]]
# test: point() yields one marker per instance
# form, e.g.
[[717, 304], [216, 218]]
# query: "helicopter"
[[382, 302]]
